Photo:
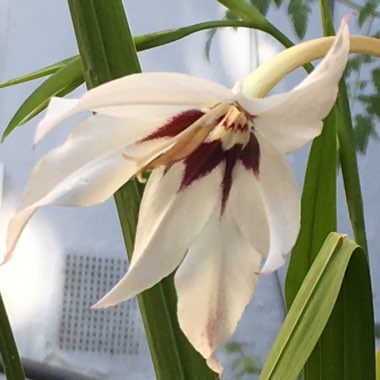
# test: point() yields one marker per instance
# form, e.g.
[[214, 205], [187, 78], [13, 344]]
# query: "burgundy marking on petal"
[[175, 125], [250, 155], [201, 162], [231, 156]]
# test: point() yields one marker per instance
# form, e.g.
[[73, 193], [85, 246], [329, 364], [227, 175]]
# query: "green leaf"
[[317, 219], [61, 83], [363, 131], [252, 15], [338, 268], [108, 52], [8, 349], [278, 3], [38, 74], [299, 11], [210, 37], [366, 11], [261, 5], [329, 356], [233, 347]]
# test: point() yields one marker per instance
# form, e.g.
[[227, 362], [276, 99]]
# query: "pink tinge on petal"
[[175, 125]]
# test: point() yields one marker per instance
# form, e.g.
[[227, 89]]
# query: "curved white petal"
[[145, 96], [248, 209], [90, 184], [282, 200], [292, 119], [214, 284], [58, 110], [168, 222], [95, 137]]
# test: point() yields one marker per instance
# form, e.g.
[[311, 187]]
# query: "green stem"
[[108, 52], [250, 14]]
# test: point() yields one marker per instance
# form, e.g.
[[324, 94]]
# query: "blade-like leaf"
[[62, 82], [318, 207], [299, 11], [328, 359], [338, 261], [108, 52], [8, 350], [51, 69]]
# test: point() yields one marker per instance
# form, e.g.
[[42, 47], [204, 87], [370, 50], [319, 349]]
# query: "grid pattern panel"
[[114, 330]]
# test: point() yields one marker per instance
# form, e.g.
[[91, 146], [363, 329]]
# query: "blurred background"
[[68, 258]]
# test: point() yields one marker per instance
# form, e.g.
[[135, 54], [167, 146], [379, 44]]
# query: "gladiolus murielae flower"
[[220, 197]]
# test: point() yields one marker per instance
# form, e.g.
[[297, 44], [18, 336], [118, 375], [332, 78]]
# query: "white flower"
[[220, 196]]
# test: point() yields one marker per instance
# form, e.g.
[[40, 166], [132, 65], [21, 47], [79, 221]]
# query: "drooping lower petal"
[[95, 137], [169, 220], [249, 210], [214, 284], [290, 120], [90, 184], [282, 202]]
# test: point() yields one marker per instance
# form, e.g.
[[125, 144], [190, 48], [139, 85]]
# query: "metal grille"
[[114, 330]]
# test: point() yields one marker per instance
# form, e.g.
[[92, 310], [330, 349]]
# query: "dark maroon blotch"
[[250, 155], [175, 125], [209, 155], [201, 162], [231, 156]]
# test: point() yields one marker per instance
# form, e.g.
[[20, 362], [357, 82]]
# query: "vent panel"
[[114, 330]]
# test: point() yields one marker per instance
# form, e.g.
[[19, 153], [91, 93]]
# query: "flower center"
[[224, 122]]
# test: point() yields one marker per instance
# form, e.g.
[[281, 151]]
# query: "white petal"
[[248, 209], [154, 90], [58, 110], [86, 170], [282, 200], [95, 137], [292, 119], [168, 222], [146, 96], [89, 185], [214, 284]]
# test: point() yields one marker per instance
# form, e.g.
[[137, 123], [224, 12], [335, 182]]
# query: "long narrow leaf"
[[8, 350], [60, 83], [51, 69], [329, 358], [338, 260], [108, 52]]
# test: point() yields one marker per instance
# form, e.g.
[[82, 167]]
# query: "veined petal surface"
[[169, 221], [292, 119], [214, 284]]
